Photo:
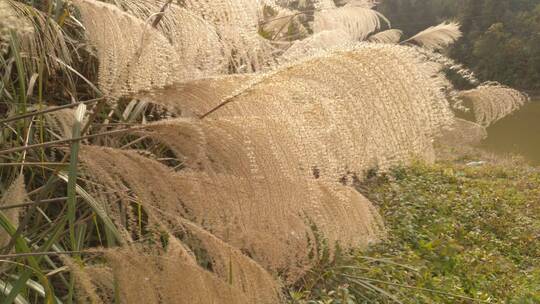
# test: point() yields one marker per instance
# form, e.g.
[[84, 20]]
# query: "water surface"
[[518, 133]]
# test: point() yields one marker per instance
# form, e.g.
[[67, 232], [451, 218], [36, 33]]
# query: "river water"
[[518, 133]]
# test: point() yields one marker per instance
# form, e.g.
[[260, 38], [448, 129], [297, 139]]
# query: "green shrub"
[[471, 232]]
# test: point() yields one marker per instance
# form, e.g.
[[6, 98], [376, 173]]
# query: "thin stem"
[[30, 254], [26, 140], [70, 140], [44, 164], [52, 109], [45, 201], [161, 13]]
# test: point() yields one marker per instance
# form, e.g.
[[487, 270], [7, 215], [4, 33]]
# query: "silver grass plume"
[[449, 63], [237, 24], [195, 41], [37, 37], [265, 218], [437, 37], [491, 102], [340, 28], [183, 47], [359, 3], [357, 21], [315, 97], [10, 21], [463, 132], [315, 44], [324, 4], [61, 123], [132, 55], [130, 175], [391, 36], [15, 194], [148, 278]]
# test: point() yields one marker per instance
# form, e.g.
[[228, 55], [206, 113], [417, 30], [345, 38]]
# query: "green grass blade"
[[72, 176], [97, 207], [22, 246], [37, 287], [6, 289], [20, 70]]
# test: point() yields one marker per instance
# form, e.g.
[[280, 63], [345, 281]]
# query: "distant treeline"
[[501, 37]]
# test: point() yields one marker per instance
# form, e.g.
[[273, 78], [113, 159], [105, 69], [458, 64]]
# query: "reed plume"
[[237, 24], [10, 21], [15, 194], [145, 278], [316, 44], [140, 58], [437, 37], [39, 39], [196, 42], [269, 219], [463, 132], [491, 102], [389, 36], [355, 121], [357, 21]]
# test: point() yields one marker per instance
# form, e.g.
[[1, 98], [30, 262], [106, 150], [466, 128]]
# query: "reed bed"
[[174, 153]]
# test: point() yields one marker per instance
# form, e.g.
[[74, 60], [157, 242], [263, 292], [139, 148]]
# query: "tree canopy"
[[501, 39]]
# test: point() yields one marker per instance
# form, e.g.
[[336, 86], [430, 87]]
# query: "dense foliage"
[[454, 230], [501, 37]]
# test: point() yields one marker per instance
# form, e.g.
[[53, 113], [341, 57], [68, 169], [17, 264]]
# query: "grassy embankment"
[[452, 230]]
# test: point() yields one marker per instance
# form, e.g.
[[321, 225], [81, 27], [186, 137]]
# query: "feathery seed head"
[[79, 112], [11, 22]]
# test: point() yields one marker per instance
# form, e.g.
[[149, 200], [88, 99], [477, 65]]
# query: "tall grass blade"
[[97, 207], [6, 289], [38, 288], [21, 79], [72, 175], [22, 246]]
